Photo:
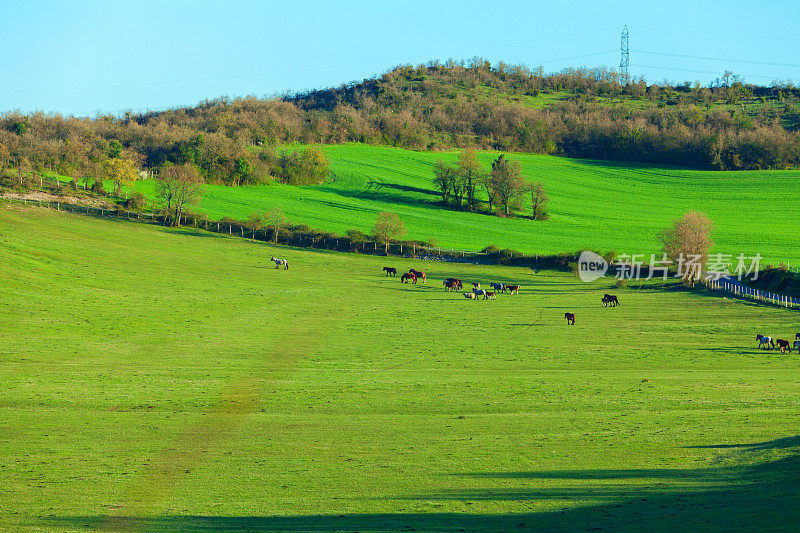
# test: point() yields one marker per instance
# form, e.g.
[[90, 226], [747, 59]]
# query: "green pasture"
[[154, 379], [594, 205]]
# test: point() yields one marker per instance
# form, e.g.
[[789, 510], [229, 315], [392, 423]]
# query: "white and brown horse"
[[280, 263]]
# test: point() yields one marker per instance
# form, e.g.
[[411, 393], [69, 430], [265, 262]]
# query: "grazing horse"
[[479, 292], [456, 282], [452, 284], [390, 271], [514, 289], [765, 342], [418, 274], [490, 295], [570, 319], [498, 286], [797, 345], [783, 345], [610, 299], [476, 285], [280, 262], [797, 337], [405, 277], [469, 295]]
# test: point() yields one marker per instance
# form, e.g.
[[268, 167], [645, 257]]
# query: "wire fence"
[[369, 247], [302, 240]]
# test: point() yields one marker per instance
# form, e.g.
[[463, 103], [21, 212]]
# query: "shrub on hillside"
[[136, 202], [358, 235], [97, 188]]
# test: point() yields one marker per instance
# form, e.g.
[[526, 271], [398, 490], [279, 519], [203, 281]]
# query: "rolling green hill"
[[172, 380], [594, 205]]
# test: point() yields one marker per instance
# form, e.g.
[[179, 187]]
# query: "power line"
[[295, 70], [576, 57], [706, 58], [718, 34], [678, 69]]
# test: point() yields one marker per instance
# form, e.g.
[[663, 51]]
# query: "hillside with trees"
[[585, 113]]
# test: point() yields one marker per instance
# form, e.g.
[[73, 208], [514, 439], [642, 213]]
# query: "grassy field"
[[594, 205], [170, 380]]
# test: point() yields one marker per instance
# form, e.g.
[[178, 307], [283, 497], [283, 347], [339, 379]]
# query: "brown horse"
[[570, 318], [390, 271], [405, 277], [783, 345], [418, 274], [452, 284]]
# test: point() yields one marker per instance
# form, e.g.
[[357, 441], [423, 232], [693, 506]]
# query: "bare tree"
[[275, 220], [24, 172], [388, 227], [5, 157], [179, 186], [539, 201], [687, 242]]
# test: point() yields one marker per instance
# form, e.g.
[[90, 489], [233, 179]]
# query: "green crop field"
[[172, 380], [594, 205]]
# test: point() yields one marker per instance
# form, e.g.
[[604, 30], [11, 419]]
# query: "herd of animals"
[[477, 293], [451, 284], [766, 342]]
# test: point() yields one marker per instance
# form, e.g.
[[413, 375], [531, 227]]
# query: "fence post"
[[230, 228]]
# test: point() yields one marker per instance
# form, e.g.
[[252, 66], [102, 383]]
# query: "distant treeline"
[[429, 107]]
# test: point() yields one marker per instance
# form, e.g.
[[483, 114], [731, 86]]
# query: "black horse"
[[390, 271], [609, 299]]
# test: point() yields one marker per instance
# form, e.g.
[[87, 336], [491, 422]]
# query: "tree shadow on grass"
[[379, 186], [760, 496], [196, 233]]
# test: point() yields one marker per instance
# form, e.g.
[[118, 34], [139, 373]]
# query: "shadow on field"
[[758, 496], [390, 197], [744, 350], [194, 233], [378, 186], [342, 205]]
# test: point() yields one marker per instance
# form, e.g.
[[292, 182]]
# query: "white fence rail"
[[742, 291]]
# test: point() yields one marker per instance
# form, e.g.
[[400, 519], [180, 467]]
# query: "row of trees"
[[459, 185], [87, 148], [430, 107]]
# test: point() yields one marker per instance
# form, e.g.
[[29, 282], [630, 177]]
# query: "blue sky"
[[82, 58]]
